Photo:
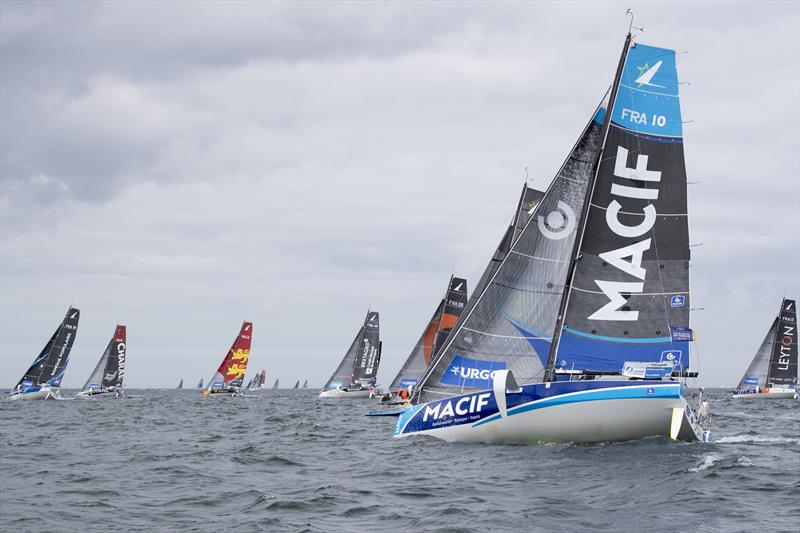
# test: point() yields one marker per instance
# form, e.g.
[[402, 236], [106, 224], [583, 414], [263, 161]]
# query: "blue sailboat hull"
[[576, 411]]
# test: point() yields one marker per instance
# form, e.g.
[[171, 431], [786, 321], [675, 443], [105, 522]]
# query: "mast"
[[550, 368]]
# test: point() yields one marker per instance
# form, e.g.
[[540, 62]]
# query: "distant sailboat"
[[297, 385], [229, 377], [43, 379], [250, 384], [276, 384], [262, 379], [200, 385], [357, 373], [432, 339], [106, 378], [773, 372], [305, 384], [180, 384], [578, 332]]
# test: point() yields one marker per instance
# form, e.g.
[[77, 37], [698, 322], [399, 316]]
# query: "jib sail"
[[756, 374], [435, 334], [628, 296], [230, 373], [110, 369], [509, 323], [48, 367]]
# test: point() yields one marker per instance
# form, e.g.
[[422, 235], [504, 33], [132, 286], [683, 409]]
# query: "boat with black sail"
[[433, 337], [773, 371], [356, 375], [105, 381], [42, 380], [582, 331], [229, 377]]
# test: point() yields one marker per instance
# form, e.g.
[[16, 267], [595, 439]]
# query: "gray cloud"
[[181, 166]]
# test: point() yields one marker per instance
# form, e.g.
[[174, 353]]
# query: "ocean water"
[[169, 460]]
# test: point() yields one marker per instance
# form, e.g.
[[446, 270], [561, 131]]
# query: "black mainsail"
[[48, 367], [775, 362], [110, 369]]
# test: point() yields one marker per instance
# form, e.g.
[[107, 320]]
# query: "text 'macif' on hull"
[[572, 411]]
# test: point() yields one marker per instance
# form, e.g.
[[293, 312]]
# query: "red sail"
[[234, 365]]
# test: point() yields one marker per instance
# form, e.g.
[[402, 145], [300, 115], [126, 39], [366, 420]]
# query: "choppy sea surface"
[[170, 460]]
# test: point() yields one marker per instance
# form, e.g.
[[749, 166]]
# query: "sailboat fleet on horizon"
[[579, 328]]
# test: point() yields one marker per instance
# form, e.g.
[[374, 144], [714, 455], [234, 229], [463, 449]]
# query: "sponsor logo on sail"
[[559, 223], [677, 301], [628, 259], [474, 373], [459, 286], [751, 381], [672, 356], [646, 73]]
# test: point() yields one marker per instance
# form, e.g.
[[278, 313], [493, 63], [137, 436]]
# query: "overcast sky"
[[182, 167]]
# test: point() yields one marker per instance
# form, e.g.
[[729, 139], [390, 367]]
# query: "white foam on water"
[[708, 462], [756, 439]]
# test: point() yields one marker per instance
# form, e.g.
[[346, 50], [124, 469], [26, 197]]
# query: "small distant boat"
[[432, 339], [250, 384], [200, 385], [305, 384], [773, 372], [229, 377], [357, 373], [297, 385], [180, 384], [106, 378], [262, 379], [43, 379], [276, 384]]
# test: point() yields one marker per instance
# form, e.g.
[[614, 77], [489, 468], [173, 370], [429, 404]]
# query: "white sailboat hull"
[[567, 412], [45, 393], [339, 393], [774, 393], [104, 394]]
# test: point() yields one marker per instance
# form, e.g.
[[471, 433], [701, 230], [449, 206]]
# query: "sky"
[[181, 167]]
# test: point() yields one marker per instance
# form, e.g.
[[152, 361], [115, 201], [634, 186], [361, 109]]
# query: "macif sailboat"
[[773, 372], [356, 375], [43, 379], [432, 339], [229, 377], [106, 378], [579, 331]]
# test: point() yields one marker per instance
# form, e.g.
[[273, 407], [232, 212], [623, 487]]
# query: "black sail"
[[48, 367], [628, 299], [783, 361], [367, 359]]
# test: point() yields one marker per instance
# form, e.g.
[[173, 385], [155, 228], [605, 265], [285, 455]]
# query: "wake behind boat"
[[42, 380], [773, 371], [106, 378], [229, 377], [357, 373], [594, 287]]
